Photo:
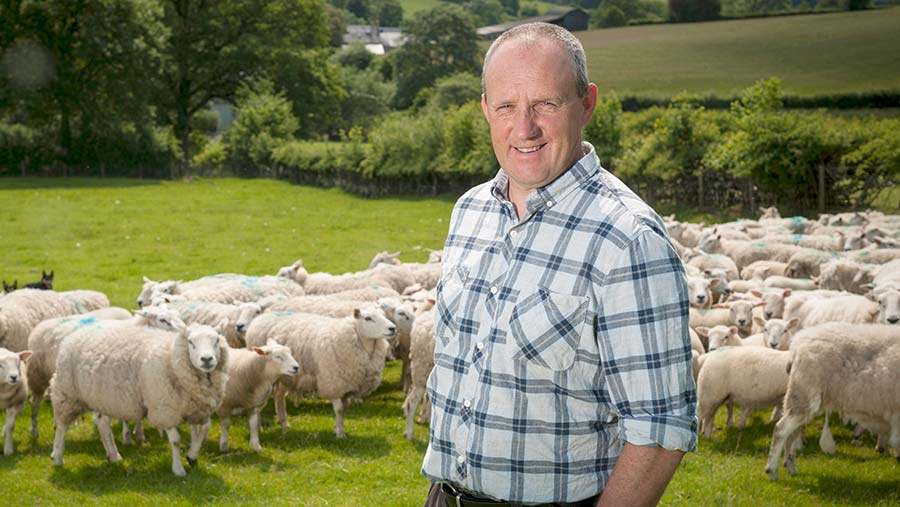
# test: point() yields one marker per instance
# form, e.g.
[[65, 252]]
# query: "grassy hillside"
[[814, 54], [106, 234], [410, 7]]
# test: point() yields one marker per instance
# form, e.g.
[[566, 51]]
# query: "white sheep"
[[12, 392], [887, 274], [384, 258], [845, 274], [45, 339], [833, 242], [766, 268], [888, 299], [403, 315], [130, 372], [818, 310], [783, 282], [838, 367], [750, 377], [737, 313], [238, 315], [876, 256], [700, 291], [706, 262], [807, 263], [251, 377], [421, 356], [743, 253], [224, 288], [339, 358], [720, 336], [22, 310], [777, 333]]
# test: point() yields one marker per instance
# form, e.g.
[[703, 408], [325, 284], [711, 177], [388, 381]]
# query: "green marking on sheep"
[[281, 314], [759, 244]]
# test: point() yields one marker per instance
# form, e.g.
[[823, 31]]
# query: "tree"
[[211, 48], [386, 13], [605, 130], [440, 42], [487, 12], [264, 122], [686, 11]]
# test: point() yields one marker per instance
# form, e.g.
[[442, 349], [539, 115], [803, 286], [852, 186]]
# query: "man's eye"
[[546, 107]]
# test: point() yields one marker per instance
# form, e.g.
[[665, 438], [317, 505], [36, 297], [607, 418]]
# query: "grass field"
[[411, 7], [106, 234], [813, 54]]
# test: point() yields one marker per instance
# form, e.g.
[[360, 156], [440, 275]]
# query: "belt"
[[458, 498]]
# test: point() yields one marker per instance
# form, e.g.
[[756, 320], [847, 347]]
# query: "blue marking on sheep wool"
[[760, 244], [87, 320], [281, 314], [251, 281], [798, 220], [797, 238]]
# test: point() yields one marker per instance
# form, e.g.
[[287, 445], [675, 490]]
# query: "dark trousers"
[[436, 498]]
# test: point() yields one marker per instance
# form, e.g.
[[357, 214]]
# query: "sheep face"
[[281, 356], [9, 366], [888, 305], [246, 313], [162, 317], [699, 290], [773, 303], [742, 313], [161, 298], [720, 336], [371, 323], [712, 243], [779, 332], [146, 292], [204, 346], [404, 316]]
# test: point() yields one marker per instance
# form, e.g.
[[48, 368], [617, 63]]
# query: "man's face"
[[535, 115]]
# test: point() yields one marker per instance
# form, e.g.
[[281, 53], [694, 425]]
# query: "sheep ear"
[[756, 293], [761, 303], [867, 286], [356, 313], [787, 293], [702, 331], [714, 282], [261, 351], [147, 279], [721, 306], [759, 321], [270, 342], [791, 324], [733, 329], [222, 326], [24, 355]]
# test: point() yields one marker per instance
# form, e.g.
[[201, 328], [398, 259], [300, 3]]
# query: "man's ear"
[[589, 102]]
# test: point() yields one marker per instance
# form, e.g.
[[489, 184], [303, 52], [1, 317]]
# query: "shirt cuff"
[[673, 433]]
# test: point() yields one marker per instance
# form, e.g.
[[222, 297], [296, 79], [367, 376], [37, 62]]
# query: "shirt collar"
[[547, 196]]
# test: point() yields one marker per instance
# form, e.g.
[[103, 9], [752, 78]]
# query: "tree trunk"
[[700, 190]]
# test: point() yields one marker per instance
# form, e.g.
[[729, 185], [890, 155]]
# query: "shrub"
[[605, 130], [263, 122]]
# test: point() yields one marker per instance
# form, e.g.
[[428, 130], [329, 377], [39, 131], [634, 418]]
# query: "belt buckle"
[[455, 494]]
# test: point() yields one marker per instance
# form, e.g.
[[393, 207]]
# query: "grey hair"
[[532, 33]]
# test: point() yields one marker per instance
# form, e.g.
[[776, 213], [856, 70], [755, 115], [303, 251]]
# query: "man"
[[562, 357]]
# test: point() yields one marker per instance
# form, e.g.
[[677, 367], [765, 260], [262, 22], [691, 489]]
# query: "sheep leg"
[[281, 407], [224, 426], [36, 399], [104, 427], [175, 443], [198, 436], [11, 414], [59, 442], [826, 440], [745, 414], [729, 421], [139, 436], [126, 434], [405, 374], [254, 431], [338, 405], [425, 412], [857, 432], [409, 408], [785, 432]]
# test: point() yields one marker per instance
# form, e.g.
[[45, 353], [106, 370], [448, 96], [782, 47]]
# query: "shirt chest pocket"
[[449, 296], [547, 327]]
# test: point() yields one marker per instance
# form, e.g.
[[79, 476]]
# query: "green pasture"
[[106, 234], [411, 7], [812, 54]]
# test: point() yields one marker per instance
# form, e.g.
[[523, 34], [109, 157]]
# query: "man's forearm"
[[640, 476]]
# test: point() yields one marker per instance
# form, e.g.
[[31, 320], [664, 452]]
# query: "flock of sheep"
[[220, 345], [800, 316]]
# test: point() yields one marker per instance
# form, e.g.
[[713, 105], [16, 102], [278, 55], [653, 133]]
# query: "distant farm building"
[[377, 39], [572, 20]]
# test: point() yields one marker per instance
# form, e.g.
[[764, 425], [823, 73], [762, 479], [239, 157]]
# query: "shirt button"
[[467, 403], [513, 233], [460, 459], [479, 345], [549, 204], [494, 290]]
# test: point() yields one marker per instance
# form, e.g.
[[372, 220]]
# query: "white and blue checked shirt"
[[558, 338]]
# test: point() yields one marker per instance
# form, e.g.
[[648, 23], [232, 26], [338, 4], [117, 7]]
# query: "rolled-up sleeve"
[[644, 343]]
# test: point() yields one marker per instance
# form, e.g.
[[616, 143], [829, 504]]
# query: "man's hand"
[[640, 476]]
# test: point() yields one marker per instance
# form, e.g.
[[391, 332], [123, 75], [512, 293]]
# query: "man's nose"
[[526, 125]]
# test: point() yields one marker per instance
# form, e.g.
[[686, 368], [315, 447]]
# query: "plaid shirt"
[[558, 338]]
